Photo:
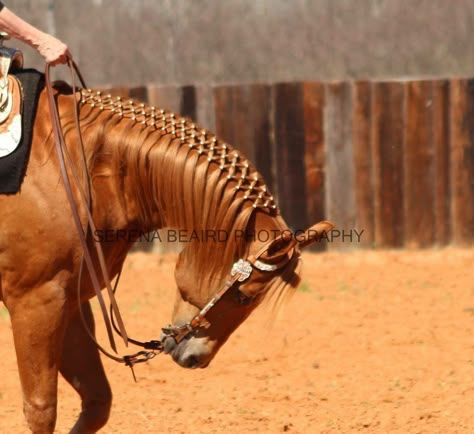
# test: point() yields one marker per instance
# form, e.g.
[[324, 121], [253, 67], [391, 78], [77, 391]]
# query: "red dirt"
[[372, 342]]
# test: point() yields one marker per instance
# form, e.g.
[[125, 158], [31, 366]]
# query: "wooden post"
[[188, 103], [289, 149], [314, 158], [418, 185], [363, 165], [441, 161], [462, 161], [387, 157], [205, 112], [140, 93], [340, 199], [243, 120], [165, 97], [257, 123], [223, 104]]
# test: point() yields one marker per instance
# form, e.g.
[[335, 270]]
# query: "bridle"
[[240, 272]]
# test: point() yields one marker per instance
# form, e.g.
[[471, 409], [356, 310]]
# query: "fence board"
[[289, 150], [340, 206], [418, 165], [395, 159], [165, 97], [140, 93], [205, 113], [188, 102], [243, 120], [223, 103], [387, 155], [313, 106], [363, 168], [123, 92], [441, 161], [462, 161], [258, 124]]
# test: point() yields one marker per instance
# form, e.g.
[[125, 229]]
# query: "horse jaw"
[[197, 350]]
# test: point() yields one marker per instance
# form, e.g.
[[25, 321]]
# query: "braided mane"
[[195, 180], [231, 162]]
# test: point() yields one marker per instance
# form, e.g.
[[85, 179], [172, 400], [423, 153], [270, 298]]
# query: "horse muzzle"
[[191, 352]]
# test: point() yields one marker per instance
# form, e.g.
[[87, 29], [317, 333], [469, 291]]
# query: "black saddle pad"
[[13, 166]]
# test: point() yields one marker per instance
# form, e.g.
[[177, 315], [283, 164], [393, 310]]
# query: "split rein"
[[65, 165], [240, 272]]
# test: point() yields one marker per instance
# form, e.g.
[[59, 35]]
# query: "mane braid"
[[230, 161], [195, 180]]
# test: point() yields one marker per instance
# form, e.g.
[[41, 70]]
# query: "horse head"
[[270, 268]]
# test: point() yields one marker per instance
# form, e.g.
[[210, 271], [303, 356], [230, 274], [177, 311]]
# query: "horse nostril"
[[169, 345], [190, 362]]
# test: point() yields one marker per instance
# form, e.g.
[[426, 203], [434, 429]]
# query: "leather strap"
[[63, 152], [86, 197]]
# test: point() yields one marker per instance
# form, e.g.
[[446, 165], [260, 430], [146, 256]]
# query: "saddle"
[[11, 98]]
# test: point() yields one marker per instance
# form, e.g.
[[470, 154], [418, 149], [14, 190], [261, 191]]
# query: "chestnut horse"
[[149, 169]]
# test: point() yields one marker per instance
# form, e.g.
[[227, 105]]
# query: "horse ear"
[[313, 234], [278, 248], [288, 240]]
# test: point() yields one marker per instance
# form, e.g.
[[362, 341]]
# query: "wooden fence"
[[392, 158]]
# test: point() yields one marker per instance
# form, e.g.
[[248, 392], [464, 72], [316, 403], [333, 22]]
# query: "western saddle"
[[11, 98]]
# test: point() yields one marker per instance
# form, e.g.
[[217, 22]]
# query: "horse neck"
[[118, 183], [149, 180], [166, 171]]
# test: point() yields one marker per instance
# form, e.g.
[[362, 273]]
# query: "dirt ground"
[[371, 342]]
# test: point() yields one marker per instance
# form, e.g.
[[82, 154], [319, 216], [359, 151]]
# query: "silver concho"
[[244, 268], [264, 266]]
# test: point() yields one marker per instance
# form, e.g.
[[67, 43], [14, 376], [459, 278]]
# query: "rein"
[[65, 163], [240, 272]]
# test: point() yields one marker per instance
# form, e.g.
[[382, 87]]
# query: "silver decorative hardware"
[[244, 268], [263, 266]]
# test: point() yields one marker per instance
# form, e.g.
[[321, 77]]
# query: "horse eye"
[[242, 299]]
